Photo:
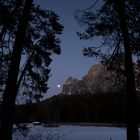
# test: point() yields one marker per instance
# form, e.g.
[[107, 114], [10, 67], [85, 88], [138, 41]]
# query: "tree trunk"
[[10, 93], [131, 110]]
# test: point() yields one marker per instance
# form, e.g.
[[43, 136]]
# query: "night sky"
[[71, 62]]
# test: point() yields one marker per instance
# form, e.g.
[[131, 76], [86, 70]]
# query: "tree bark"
[[131, 110], [10, 93]]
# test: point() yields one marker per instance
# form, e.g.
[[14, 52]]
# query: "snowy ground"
[[70, 132]]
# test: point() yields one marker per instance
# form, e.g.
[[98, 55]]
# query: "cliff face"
[[97, 80]]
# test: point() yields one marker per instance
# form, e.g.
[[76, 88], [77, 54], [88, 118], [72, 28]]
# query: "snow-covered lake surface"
[[71, 132]]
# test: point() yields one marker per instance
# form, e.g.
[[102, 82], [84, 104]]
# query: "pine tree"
[[116, 22], [40, 43], [27, 42], [10, 93]]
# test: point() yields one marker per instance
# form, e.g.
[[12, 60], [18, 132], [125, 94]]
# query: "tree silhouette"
[[10, 92], [117, 24], [40, 43], [27, 42]]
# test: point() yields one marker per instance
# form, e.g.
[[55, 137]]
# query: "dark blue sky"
[[71, 62]]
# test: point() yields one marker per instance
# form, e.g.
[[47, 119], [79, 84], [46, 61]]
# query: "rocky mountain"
[[98, 80]]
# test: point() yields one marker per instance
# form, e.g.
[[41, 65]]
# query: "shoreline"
[[93, 124]]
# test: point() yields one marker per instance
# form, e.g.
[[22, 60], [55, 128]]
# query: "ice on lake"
[[71, 132]]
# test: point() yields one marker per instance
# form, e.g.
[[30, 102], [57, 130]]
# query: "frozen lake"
[[70, 132]]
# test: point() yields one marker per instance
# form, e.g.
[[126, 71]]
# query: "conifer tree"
[[28, 38], [116, 23]]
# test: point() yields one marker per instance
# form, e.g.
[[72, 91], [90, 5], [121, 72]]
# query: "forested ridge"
[[102, 108]]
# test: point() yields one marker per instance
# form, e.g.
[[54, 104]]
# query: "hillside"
[[102, 108]]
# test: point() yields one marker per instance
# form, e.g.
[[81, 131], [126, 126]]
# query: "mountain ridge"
[[98, 79]]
